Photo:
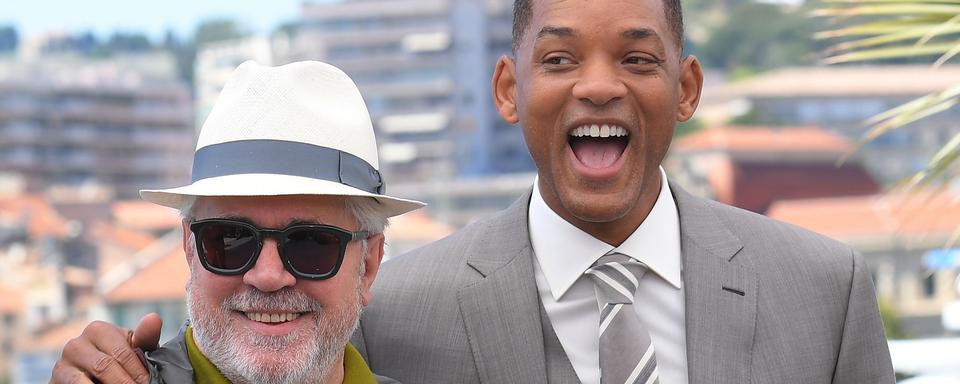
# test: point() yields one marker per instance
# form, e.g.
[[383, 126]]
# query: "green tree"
[[877, 30], [207, 32], [892, 324], [218, 30], [758, 36]]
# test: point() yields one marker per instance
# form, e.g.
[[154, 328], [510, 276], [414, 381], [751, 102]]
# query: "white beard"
[[306, 355]]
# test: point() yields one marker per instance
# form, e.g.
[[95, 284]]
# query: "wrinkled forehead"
[[274, 211], [612, 18]]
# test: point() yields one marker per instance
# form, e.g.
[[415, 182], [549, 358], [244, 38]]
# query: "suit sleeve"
[[864, 356]]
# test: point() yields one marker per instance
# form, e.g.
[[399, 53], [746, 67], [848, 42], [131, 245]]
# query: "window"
[[929, 284]]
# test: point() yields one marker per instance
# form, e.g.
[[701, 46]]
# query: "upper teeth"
[[271, 317], [596, 130]]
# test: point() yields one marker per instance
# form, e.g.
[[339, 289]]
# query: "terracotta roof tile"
[[163, 279], [921, 214], [145, 216], [758, 139], [42, 219], [125, 237], [11, 300], [416, 226], [55, 338]]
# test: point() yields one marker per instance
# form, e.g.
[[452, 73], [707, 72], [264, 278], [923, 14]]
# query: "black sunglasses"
[[308, 251]]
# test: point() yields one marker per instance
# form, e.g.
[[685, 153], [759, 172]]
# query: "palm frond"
[[896, 29]]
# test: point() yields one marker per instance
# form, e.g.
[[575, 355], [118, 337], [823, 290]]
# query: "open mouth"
[[272, 318], [598, 146]]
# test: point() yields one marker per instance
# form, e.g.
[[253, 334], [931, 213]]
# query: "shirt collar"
[[564, 252]]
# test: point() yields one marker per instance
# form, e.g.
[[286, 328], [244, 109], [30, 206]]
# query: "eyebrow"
[[639, 33], [562, 32], [550, 30]]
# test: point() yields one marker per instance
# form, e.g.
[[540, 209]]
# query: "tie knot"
[[617, 277]]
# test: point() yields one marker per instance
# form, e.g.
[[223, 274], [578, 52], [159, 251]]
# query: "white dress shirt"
[[563, 254]]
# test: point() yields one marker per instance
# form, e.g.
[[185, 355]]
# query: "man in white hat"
[[283, 233]]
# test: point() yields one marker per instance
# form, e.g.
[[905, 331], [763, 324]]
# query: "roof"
[[163, 279], [120, 236], [41, 218], [416, 226], [837, 81], [752, 167], [144, 216], [55, 338], [924, 213], [764, 139], [11, 300]]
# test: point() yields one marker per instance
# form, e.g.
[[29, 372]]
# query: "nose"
[[268, 274], [600, 85]]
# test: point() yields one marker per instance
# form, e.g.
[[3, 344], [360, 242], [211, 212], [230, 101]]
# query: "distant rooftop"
[[752, 167], [846, 81], [147, 72], [163, 279], [145, 216], [416, 226], [763, 139], [40, 217], [11, 300], [125, 237], [55, 338], [927, 213]]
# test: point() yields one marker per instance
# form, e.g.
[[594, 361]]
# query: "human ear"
[[691, 85], [505, 90]]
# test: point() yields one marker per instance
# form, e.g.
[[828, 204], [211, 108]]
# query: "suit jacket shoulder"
[[780, 303], [415, 331]]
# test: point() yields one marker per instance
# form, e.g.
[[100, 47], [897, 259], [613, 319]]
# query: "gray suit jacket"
[[766, 302]]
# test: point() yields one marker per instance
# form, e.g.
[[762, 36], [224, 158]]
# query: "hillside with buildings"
[[87, 121]]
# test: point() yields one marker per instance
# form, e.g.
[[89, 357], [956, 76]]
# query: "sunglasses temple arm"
[[360, 235]]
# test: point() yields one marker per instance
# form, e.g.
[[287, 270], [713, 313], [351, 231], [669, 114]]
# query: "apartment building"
[[125, 123]]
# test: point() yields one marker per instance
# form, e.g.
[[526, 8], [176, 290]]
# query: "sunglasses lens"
[[228, 246], [312, 251]]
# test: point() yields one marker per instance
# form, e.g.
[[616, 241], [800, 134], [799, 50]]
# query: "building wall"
[[891, 157], [11, 325], [424, 69], [128, 315], [61, 127], [918, 294]]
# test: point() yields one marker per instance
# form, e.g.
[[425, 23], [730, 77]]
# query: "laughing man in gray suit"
[[605, 271], [728, 296]]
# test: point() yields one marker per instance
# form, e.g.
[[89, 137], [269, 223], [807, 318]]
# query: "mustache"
[[286, 299]]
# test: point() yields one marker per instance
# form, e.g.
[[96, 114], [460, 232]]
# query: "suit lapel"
[[721, 296], [500, 311]]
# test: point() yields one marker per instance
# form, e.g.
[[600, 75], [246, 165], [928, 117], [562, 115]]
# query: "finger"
[[68, 374], [107, 370], [82, 362], [147, 334], [114, 342]]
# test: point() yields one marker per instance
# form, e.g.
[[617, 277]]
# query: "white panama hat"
[[296, 129]]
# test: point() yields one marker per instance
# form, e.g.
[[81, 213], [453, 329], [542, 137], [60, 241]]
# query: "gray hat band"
[[286, 158]]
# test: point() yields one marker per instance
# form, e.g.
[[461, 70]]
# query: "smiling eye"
[[557, 60], [639, 60]]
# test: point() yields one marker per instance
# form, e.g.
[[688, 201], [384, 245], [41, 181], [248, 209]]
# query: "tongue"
[[597, 153]]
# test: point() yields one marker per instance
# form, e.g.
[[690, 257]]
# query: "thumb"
[[147, 334]]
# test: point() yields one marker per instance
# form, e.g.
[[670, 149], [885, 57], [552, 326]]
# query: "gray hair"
[[368, 211]]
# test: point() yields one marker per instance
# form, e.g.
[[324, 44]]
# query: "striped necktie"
[[626, 353]]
